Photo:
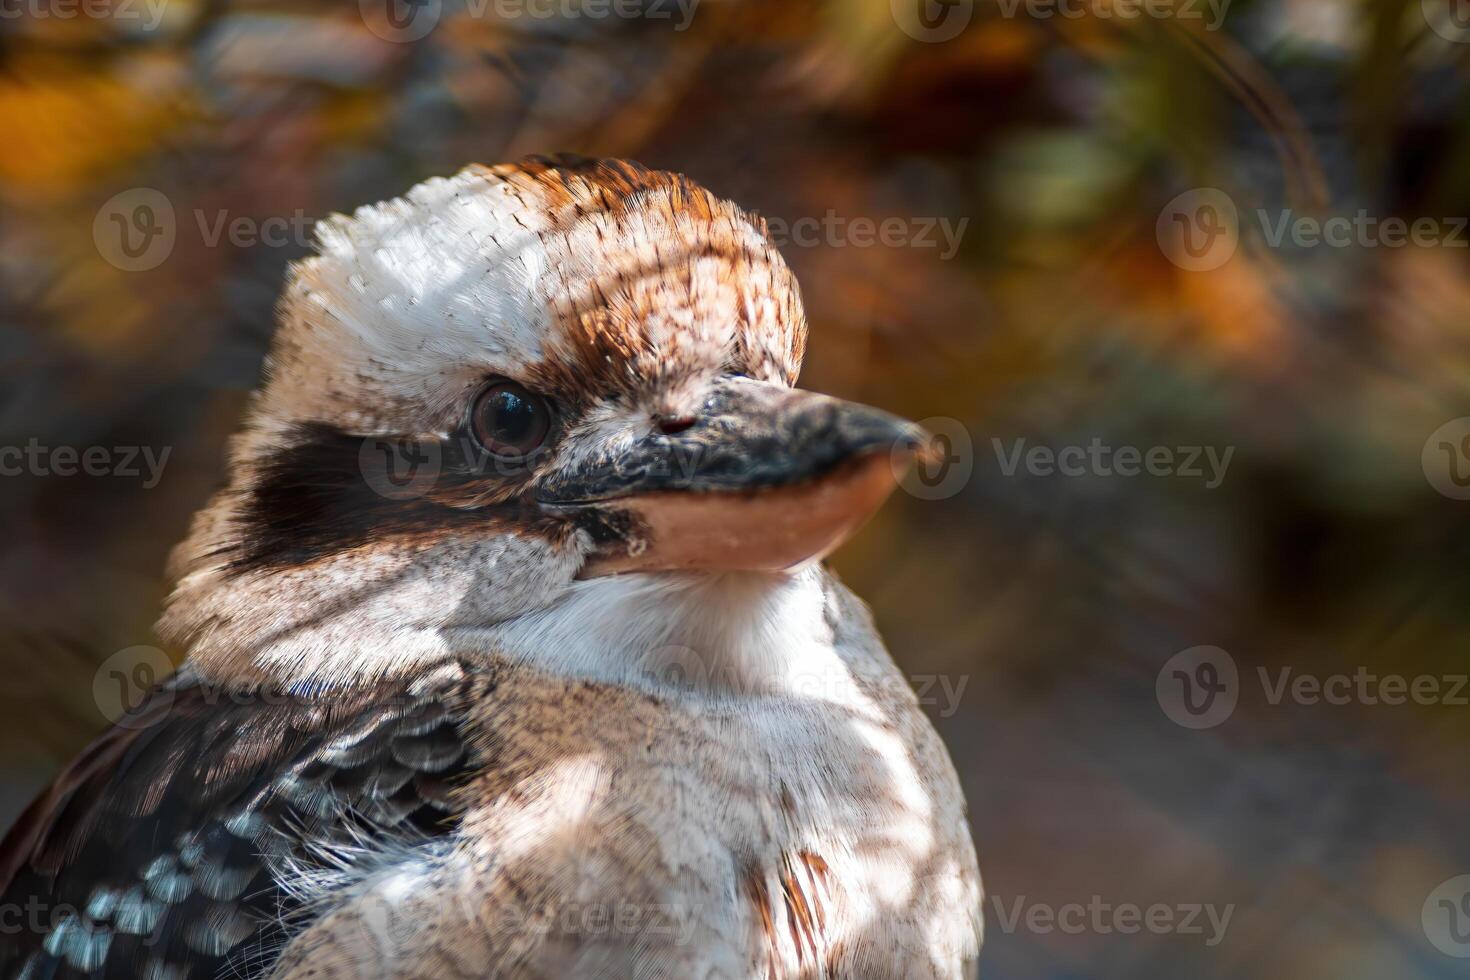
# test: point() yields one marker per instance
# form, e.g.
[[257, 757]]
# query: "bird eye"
[[510, 421]]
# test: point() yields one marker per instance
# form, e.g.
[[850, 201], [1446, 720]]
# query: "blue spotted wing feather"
[[164, 851]]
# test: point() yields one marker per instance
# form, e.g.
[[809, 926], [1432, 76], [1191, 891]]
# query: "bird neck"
[[365, 618], [736, 633]]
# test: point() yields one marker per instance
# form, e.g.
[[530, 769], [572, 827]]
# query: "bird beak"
[[767, 478]]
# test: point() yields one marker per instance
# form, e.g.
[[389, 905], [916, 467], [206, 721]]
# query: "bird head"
[[505, 389]]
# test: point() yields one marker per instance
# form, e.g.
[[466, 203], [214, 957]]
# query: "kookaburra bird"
[[510, 652]]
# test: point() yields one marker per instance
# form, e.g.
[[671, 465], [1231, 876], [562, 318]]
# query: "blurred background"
[[1049, 227]]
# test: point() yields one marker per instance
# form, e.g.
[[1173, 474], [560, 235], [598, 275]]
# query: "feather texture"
[[170, 847]]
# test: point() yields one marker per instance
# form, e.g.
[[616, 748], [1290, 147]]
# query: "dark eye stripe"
[[323, 491]]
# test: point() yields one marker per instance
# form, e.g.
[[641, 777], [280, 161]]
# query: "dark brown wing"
[[160, 852]]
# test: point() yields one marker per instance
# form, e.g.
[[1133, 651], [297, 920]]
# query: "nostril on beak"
[[672, 425]]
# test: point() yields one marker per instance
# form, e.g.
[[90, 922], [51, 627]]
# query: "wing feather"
[[164, 849]]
